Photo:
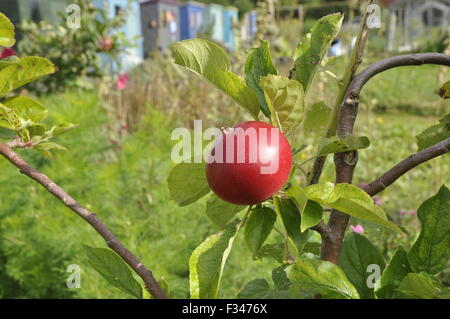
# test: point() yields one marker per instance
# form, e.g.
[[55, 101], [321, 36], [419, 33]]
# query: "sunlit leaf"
[[259, 64], [350, 143], [27, 70], [312, 276], [351, 200], [208, 261], [187, 183], [312, 49], [7, 35], [285, 99], [211, 61]]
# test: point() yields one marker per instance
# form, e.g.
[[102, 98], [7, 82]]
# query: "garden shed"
[[52, 10], [160, 24], [192, 18], [252, 24], [408, 21], [131, 29], [230, 20], [214, 22]]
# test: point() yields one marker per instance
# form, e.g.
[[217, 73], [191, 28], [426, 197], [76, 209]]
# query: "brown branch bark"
[[355, 87], [406, 165], [345, 162], [111, 240]]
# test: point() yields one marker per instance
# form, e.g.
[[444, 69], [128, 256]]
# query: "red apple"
[[7, 52], [249, 163], [106, 43]]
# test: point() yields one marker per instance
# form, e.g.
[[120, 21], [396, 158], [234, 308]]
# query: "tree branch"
[[406, 165], [345, 162], [111, 240], [355, 87]]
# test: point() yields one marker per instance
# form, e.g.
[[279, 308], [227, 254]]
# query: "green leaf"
[[61, 129], [311, 212], [6, 133], [207, 263], [431, 251], [259, 64], [291, 218], [313, 276], [7, 35], [434, 134], [108, 264], [310, 52], [394, 273], [311, 216], [260, 289], [27, 108], [286, 101], [27, 70], [220, 211], [258, 227], [36, 129], [45, 148], [280, 279], [357, 254], [8, 118], [316, 119], [187, 183], [422, 286], [210, 61], [275, 251], [351, 200], [350, 143], [444, 91]]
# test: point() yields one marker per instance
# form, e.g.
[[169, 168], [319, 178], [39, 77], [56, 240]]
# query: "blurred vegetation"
[[77, 53]]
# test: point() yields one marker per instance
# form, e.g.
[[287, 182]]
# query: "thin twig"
[[406, 165], [111, 240]]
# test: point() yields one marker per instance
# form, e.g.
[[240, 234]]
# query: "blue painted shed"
[[192, 19], [230, 20], [131, 29], [252, 24], [160, 23], [214, 21]]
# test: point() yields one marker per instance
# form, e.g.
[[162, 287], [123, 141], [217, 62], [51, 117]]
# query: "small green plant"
[[75, 52], [21, 117]]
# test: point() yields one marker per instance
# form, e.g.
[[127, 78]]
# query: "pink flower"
[[122, 82], [408, 212], [377, 200], [7, 52], [358, 229]]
